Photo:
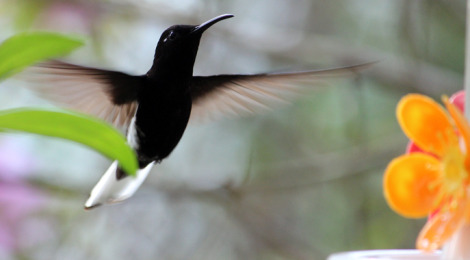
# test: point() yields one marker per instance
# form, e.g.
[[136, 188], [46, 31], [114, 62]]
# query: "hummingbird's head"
[[178, 44]]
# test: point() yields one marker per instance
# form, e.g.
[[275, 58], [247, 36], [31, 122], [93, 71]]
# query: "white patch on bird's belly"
[[132, 137]]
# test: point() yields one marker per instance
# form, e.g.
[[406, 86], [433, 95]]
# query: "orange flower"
[[435, 181]]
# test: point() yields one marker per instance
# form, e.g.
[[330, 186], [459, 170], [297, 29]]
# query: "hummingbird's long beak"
[[204, 26]]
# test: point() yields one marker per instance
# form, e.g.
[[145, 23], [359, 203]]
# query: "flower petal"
[[413, 148], [426, 123], [462, 126], [458, 99], [408, 184], [442, 226]]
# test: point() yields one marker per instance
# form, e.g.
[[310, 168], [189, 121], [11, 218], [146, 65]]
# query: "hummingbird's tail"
[[110, 189]]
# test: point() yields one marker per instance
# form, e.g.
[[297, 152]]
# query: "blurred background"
[[300, 182]]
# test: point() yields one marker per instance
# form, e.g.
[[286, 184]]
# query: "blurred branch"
[[296, 174], [324, 168], [276, 233], [454, 8], [393, 69]]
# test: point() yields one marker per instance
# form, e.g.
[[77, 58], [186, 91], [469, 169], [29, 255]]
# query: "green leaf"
[[80, 128], [22, 50]]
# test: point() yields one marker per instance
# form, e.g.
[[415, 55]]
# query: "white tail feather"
[[111, 190]]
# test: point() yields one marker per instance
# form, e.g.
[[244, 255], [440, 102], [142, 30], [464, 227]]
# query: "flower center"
[[453, 170]]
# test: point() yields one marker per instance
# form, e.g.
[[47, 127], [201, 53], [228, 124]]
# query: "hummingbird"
[[155, 108]]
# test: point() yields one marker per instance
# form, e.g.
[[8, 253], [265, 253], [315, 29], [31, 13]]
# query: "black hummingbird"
[[155, 108]]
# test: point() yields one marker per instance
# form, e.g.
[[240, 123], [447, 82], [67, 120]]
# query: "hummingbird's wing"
[[109, 95], [234, 95]]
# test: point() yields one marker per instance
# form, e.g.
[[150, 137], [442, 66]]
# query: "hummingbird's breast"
[[160, 121]]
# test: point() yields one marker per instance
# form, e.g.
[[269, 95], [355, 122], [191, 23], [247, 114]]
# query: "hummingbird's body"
[[163, 101], [163, 110], [155, 108], [164, 98]]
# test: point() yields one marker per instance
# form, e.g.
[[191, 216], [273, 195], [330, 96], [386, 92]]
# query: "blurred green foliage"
[[93, 133], [23, 50]]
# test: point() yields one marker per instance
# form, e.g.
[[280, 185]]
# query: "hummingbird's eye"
[[171, 36]]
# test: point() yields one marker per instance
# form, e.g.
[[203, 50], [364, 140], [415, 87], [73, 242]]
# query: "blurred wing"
[[109, 95], [238, 95]]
